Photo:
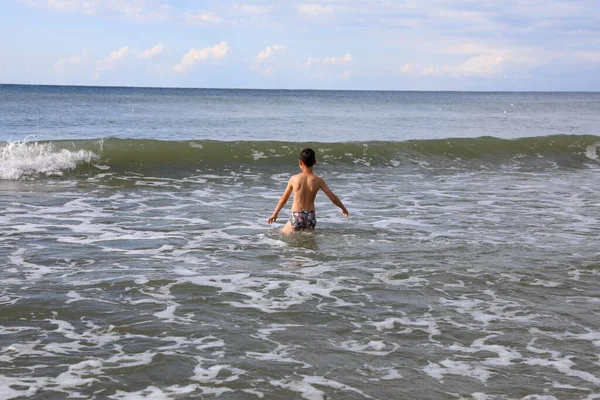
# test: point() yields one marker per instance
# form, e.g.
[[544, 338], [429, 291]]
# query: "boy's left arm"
[[334, 199], [282, 201]]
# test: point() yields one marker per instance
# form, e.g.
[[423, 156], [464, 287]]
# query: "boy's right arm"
[[284, 198], [334, 199]]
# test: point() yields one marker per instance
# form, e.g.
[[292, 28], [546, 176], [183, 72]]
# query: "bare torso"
[[305, 186]]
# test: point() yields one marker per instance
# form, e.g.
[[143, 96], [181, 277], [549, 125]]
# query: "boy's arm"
[[284, 198], [334, 199]]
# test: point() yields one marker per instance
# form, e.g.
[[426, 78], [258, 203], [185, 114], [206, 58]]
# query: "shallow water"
[[134, 269], [465, 285]]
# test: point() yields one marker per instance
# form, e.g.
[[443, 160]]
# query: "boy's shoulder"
[[303, 177]]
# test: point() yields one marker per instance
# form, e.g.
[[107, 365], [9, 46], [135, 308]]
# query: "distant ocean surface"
[[136, 262]]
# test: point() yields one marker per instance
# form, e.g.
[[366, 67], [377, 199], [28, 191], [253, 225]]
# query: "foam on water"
[[26, 159], [375, 348], [460, 285], [307, 390], [461, 368], [591, 151]]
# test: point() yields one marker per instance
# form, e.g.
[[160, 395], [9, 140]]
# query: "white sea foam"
[[256, 393], [561, 363], [373, 347], [6, 300], [506, 356], [451, 367], [539, 282], [391, 374], [385, 223], [591, 151], [256, 155], [174, 391], [279, 354], [307, 390], [33, 271], [9, 385], [426, 324], [11, 330], [23, 159], [74, 376], [258, 291], [209, 375], [590, 335], [488, 311], [214, 343]]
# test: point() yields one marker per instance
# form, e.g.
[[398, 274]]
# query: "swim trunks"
[[301, 220]]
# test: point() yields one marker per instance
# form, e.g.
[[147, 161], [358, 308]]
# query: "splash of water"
[[591, 151], [24, 159]]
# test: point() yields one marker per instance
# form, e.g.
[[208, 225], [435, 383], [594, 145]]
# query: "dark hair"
[[308, 158]]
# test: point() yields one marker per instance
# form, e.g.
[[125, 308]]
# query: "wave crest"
[[145, 156], [28, 159]]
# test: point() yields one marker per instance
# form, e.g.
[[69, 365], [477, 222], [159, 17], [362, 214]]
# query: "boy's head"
[[308, 158]]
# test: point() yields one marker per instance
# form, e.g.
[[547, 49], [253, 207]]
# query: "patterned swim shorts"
[[301, 220]]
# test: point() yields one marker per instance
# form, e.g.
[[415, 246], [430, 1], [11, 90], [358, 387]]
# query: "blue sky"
[[312, 44]]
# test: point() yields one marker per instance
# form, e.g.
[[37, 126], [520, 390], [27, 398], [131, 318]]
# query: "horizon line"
[[298, 89]]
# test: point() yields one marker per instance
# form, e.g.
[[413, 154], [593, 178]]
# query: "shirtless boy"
[[305, 186]]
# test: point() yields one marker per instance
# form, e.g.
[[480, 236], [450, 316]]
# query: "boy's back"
[[305, 187]]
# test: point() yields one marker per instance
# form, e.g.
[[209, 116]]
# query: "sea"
[[136, 261]]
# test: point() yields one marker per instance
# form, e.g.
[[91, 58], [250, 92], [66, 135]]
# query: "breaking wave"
[[29, 159]]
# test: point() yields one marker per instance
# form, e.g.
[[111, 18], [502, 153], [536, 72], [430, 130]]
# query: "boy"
[[305, 186]]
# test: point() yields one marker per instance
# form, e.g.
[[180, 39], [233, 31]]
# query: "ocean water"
[[136, 262]]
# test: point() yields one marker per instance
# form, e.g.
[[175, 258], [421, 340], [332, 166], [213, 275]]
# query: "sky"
[[541, 45]]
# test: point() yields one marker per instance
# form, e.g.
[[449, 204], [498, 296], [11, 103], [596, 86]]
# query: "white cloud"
[[338, 60], [251, 9], [329, 67], [347, 58], [503, 42], [266, 57], [127, 8], [194, 56], [407, 69], [63, 65], [492, 62], [117, 57], [483, 64], [112, 60], [200, 18], [152, 52], [314, 10], [269, 52], [68, 6], [480, 65]]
